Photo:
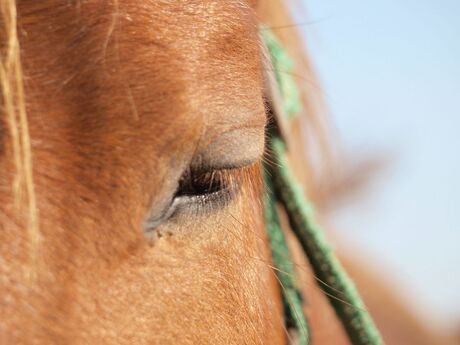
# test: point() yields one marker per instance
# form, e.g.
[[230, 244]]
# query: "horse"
[[132, 135]]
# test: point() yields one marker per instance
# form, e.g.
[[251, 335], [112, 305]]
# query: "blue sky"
[[391, 75]]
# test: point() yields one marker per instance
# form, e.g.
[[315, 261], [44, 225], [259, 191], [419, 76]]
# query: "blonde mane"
[[15, 118]]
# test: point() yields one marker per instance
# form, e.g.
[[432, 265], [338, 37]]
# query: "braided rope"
[[292, 299], [282, 187]]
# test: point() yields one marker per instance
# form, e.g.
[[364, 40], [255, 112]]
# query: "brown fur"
[[120, 96]]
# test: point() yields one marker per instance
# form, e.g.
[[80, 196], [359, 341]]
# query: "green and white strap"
[[283, 190]]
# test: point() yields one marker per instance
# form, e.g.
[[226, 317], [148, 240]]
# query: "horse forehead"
[[189, 30], [204, 53], [193, 62], [211, 45], [201, 15]]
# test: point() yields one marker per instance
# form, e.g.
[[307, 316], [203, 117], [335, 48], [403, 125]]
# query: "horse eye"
[[198, 193], [204, 190]]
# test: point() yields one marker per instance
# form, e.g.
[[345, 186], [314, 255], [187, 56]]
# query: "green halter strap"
[[282, 189]]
